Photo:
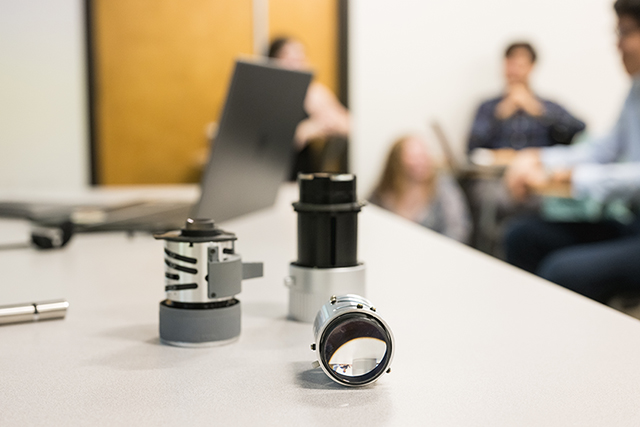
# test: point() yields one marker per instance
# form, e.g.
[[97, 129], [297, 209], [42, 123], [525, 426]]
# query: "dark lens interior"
[[355, 348]]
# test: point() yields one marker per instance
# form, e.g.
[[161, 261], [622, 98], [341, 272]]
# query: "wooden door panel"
[[161, 74]]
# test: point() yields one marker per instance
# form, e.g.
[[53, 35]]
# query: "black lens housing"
[[327, 221]]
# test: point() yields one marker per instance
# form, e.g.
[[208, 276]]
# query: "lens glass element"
[[354, 348]]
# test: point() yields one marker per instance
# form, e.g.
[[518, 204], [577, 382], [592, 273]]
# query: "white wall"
[[43, 119], [414, 61]]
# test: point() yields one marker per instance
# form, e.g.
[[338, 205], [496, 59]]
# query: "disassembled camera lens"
[[354, 346], [203, 275], [327, 244]]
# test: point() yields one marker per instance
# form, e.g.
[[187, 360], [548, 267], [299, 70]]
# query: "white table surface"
[[478, 342]]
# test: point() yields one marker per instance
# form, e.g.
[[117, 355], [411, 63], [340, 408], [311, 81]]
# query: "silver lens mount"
[[203, 276], [354, 345], [310, 288]]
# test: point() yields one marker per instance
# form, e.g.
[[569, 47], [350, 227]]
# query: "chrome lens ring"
[[355, 345]]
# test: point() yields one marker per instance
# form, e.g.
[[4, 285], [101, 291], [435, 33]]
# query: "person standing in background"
[[412, 187], [327, 121]]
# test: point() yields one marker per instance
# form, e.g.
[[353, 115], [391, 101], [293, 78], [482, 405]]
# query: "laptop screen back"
[[251, 155]]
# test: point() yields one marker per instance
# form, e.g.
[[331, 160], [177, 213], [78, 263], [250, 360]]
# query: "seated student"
[[596, 259], [327, 118], [519, 118], [515, 120], [411, 187]]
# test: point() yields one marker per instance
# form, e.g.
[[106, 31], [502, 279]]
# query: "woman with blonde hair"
[[412, 187]]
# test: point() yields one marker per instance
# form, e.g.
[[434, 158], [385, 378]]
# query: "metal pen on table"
[[33, 312]]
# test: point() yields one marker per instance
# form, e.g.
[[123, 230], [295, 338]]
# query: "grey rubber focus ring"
[[188, 327]]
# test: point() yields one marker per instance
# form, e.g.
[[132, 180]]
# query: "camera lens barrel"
[[353, 344], [203, 275], [327, 261], [327, 221]]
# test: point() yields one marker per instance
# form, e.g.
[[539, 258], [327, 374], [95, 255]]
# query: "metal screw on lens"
[[354, 345], [203, 276]]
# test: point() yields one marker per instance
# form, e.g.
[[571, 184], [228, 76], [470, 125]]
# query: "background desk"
[[479, 343]]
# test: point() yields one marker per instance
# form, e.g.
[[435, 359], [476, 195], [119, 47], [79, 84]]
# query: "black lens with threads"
[[327, 220]]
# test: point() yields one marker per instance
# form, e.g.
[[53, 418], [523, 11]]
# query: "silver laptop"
[[252, 151], [249, 159]]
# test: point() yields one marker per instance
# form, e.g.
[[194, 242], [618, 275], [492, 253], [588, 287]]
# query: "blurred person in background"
[[321, 139], [519, 118], [503, 125], [412, 187], [595, 259]]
